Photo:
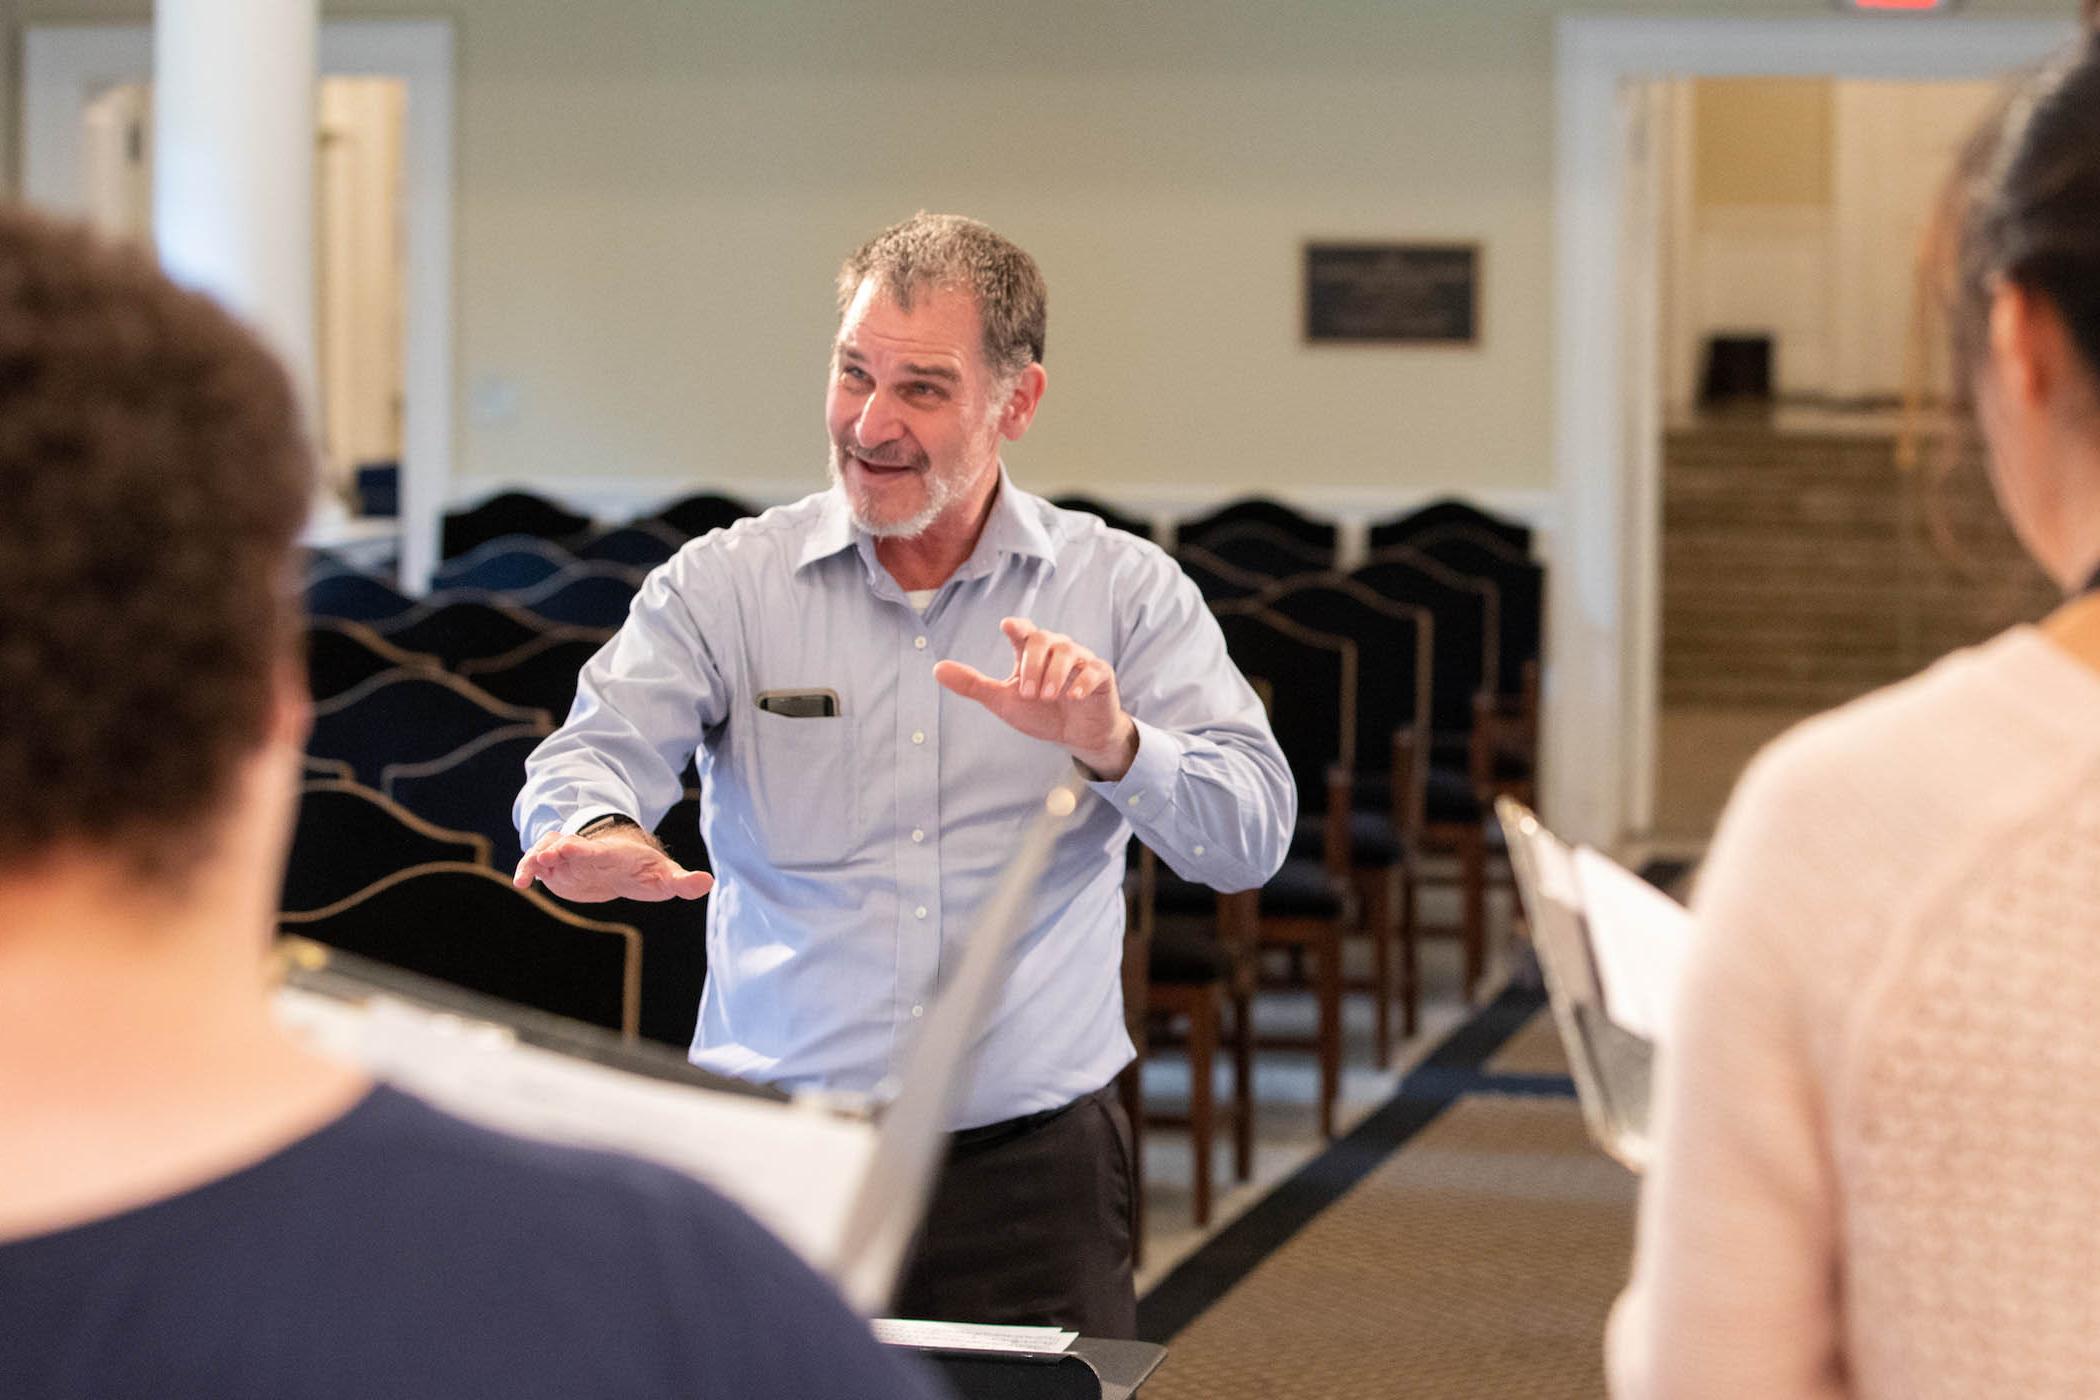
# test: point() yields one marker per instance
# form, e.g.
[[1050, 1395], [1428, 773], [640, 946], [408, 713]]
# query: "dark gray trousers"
[[1030, 1225]]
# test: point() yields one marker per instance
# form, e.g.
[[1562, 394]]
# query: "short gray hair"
[[948, 252]]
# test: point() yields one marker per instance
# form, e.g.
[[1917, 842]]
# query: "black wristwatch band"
[[596, 824]]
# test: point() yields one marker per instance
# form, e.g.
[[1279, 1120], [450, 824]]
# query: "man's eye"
[[921, 390], [854, 374]]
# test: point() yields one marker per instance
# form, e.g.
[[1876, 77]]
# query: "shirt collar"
[[1011, 528], [832, 532]]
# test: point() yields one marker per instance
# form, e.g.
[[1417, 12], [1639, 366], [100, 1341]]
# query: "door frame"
[[1605, 607], [66, 66]]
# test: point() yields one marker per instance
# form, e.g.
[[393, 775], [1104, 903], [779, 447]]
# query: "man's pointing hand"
[[1059, 692]]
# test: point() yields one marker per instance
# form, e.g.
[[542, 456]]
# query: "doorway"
[[1603, 698], [360, 256], [86, 152], [1826, 523]]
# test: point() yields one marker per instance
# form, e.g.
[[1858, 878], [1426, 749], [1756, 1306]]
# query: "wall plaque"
[[1393, 293]]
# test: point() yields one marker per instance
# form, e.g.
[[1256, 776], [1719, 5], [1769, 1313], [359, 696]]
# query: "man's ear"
[[1021, 404]]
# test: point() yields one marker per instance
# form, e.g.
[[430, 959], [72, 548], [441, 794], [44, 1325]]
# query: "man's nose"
[[878, 422]]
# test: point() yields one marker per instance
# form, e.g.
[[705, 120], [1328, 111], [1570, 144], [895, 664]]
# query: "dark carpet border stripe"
[[1450, 1072], [1450, 1083]]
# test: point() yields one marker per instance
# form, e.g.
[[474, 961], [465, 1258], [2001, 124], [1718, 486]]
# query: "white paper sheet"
[[796, 1168], [1640, 938], [1556, 871], [844, 1195], [967, 1336]]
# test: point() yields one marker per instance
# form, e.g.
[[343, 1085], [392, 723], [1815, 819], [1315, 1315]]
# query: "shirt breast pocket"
[[805, 788]]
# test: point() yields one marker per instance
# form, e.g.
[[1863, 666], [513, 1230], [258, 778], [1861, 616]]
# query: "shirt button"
[[918, 643], [918, 736], [1135, 799], [1199, 850], [918, 834], [920, 911], [917, 1012]]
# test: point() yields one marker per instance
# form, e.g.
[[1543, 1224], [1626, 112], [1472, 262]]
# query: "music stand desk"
[[1094, 1368]]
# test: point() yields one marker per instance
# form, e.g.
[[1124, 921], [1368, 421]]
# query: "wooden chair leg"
[[1472, 855], [1410, 954], [1243, 1086], [1330, 990], [1203, 1040], [1377, 889]]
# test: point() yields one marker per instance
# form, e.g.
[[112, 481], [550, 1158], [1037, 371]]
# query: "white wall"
[[1894, 144], [1766, 269], [1834, 281], [653, 195]]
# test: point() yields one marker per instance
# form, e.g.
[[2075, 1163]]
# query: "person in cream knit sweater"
[[1879, 1123]]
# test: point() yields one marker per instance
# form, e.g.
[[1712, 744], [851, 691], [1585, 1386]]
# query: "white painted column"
[[233, 168]]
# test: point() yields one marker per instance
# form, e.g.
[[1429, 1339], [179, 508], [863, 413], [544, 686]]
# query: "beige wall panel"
[[1762, 141], [653, 197]]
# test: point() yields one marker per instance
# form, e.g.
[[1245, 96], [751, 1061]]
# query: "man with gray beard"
[[880, 682]]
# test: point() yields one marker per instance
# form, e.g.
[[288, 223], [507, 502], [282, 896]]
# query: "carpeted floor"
[[1535, 1049], [1466, 1241]]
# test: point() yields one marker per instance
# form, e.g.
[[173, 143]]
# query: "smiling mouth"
[[884, 468]]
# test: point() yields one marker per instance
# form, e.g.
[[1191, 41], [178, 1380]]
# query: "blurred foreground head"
[[2021, 280], [154, 475]]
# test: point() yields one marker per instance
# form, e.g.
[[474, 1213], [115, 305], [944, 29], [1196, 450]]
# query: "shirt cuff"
[[584, 816], [1147, 790]]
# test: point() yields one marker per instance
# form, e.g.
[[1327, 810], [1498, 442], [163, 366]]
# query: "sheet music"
[[845, 1194], [1555, 870], [969, 1336], [797, 1169], [1640, 938]]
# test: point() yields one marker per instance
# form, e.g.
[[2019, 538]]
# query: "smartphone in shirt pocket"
[[805, 783], [800, 704]]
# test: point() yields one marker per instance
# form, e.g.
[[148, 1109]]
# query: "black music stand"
[[1095, 1368]]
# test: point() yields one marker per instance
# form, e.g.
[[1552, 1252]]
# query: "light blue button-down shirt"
[[853, 852]]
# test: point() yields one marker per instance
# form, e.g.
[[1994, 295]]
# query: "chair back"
[[695, 515], [1319, 539], [349, 837], [503, 565], [471, 788], [1107, 514], [1512, 535], [325, 770], [351, 596], [342, 655], [1394, 651], [408, 717], [1520, 592], [644, 544], [1308, 681], [588, 595], [542, 674], [1263, 551], [507, 513], [1217, 580], [319, 563], [467, 925], [460, 627], [1464, 616]]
